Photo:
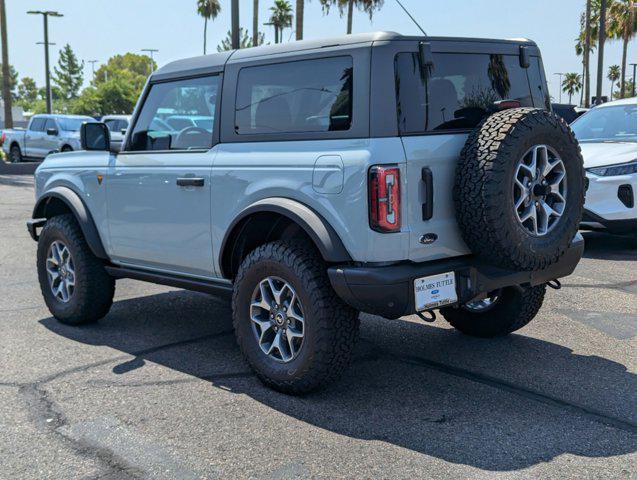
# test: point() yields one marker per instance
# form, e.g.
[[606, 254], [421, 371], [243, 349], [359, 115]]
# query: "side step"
[[213, 287]]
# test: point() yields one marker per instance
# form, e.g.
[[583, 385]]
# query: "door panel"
[[440, 154], [153, 221]]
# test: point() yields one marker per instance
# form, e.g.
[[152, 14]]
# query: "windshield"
[[608, 124], [72, 124]]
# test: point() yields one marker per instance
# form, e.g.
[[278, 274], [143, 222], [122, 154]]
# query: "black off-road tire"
[[94, 288], [331, 327], [483, 191], [15, 154], [66, 148], [514, 309]]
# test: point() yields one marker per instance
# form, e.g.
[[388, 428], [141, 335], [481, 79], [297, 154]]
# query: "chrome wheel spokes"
[[277, 319], [539, 190], [60, 271]]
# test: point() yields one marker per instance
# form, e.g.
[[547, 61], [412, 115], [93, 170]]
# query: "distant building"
[[19, 120]]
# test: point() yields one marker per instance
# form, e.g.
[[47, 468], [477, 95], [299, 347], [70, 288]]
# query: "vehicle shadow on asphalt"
[[604, 246], [497, 405]]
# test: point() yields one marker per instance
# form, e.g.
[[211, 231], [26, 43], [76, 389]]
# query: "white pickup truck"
[[44, 134]]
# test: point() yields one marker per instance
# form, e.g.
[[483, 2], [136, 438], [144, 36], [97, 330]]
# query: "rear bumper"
[[389, 292]]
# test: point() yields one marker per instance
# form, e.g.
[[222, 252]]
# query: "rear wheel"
[[15, 155], [293, 330], [67, 148], [500, 313], [73, 281]]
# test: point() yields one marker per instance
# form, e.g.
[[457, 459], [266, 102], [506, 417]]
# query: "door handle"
[[190, 182]]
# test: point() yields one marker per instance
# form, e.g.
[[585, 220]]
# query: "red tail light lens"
[[384, 198]]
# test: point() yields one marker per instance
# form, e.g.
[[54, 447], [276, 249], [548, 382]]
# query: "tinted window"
[[459, 90], [303, 96], [608, 124], [73, 124], [50, 123], [37, 124], [183, 100], [115, 124]]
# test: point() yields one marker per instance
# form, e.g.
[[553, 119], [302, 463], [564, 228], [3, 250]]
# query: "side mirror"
[[95, 136], [52, 131]]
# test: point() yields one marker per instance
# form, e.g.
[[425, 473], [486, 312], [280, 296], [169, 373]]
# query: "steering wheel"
[[182, 137]]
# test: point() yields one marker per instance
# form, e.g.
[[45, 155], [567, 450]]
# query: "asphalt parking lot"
[[158, 389]]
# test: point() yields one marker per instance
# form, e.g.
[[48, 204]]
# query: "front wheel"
[[74, 283], [500, 313], [293, 330]]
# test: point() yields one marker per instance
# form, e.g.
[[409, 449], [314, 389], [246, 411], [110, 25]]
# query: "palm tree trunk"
[[205, 31], [622, 92], [276, 34], [255, 23], [581, 100], [611, 90], [300, 7], [570, 95], [6, 68], [350, 15], [587, 56]]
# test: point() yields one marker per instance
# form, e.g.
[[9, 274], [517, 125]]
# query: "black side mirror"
[[52, 131], [95, 136]]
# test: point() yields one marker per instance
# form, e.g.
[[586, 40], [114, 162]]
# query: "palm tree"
[[572, 84], [367, 6], [6, 68], [280, 18], [208, 9], [245, 41], [255, 22], [586, 43], [614, 74], [623, 26], [300, 10]]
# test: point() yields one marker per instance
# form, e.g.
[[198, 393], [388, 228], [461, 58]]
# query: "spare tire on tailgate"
[[519, 189]]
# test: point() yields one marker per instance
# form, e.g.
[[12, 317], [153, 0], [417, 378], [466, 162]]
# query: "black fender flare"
[[84, 218], [313, 224]]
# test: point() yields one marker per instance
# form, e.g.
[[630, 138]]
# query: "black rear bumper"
[[388, 291]]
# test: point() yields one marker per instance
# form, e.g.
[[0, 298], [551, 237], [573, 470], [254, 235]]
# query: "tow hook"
[[554, 284], [430, 318]]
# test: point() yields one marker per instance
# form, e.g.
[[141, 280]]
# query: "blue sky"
[[98, 29]]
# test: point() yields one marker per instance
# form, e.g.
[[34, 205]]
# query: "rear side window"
[[460, 89], [184, 100], [295, 97], [37, 124]]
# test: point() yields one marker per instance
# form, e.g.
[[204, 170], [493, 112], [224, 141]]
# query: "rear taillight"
[[384, 198], [2, 138]]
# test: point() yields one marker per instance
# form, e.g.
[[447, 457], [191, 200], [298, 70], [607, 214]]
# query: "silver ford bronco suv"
[[311, 181]]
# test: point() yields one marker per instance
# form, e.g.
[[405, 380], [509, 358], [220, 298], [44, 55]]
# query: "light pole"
[[45, 16], [560, 84], [151, 51], [600, 51], [235, 24], [634, 65], [92, 62]]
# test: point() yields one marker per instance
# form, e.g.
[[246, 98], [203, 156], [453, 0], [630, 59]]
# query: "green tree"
[[115, 96], [614, 74], [130, 67], [245, 41], [208, 9], [622, 26], [27, 93], [13, 80], [367, 6], [280, 18], [69, 74], [572, 84]]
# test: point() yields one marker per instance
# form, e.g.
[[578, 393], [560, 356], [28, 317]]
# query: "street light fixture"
[[151, 51], [92, 62], [45, 16], [560, 84]]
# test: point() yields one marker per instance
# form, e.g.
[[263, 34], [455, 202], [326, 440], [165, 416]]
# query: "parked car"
[[608, 138], [117, 125], [45, 134], [568, 112], [375, 172]]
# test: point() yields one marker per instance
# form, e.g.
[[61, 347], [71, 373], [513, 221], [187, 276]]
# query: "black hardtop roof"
[[216, 61]]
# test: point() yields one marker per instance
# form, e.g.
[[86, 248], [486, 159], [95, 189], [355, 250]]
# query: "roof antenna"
[[412, 18]]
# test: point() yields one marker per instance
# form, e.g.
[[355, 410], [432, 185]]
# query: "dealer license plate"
[[435, 291]]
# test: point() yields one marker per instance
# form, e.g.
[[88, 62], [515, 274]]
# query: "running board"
[[213, 287]]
